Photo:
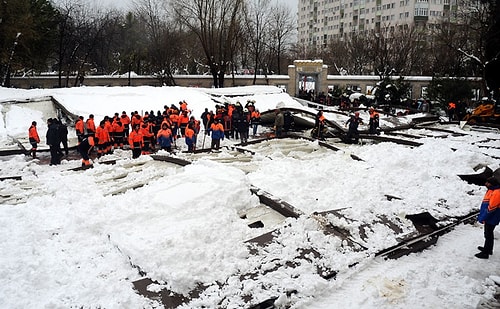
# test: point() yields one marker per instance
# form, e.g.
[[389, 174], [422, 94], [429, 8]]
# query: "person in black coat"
[[63, 136], [54, 141], [243, 125], [352, 133], [288, 121]]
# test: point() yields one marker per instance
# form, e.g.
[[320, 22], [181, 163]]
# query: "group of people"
[[355, 120], [57, 134], [235, 121], [144, 134]]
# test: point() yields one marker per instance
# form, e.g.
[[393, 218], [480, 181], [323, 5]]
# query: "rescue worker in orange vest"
[[146, 133], [118, 134], [230, 110], [374, 121], [196, 126], [319, 125], [80, 128], [190, 137], [84, 148], [255, 120], [227, 122], [136, 119], [90, 125], [489, 215], [103, 139], [136, 141], [174, 118], [183, 122], [125, 120], [109, 127], [451, 110], [217, 130], [164, 137], [183, 106], [34, 139]]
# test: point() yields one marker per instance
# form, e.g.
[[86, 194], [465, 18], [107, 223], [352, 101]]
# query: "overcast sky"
[[127, 4]]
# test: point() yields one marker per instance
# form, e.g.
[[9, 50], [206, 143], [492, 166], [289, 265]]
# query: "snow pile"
[[80, 239]]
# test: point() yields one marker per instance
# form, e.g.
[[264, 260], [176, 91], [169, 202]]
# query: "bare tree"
[[350, 55], [81, 31], [164, 42], [216, 23], [282, 25], [256, 23]]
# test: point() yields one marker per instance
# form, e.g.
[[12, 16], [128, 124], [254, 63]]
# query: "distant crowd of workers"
[[352, 135], [146, 133]]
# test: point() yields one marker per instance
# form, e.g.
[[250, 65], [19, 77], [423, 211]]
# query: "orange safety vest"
[[174, 118], [374, 114], [90, 125], [118, 128], [135, 120], [230, 110], [33, 134], [145, 132], [165, 133], [217, 127], [80, 126], [183, 119], [102, 135], [125, 119], [189, 133], [135, 138], [108, 127]]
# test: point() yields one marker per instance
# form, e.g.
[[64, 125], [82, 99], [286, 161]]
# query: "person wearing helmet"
[[352, 133], [242, 125]]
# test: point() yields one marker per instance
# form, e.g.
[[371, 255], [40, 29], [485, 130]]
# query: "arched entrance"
[[307, 78]]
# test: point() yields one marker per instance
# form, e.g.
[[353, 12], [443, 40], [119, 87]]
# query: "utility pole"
[[6, 79]]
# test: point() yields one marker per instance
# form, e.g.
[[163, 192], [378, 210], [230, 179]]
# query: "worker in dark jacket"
[[352, 132], [319, 125], [84, 148], [63, 136], [374, 120], [54, 141]]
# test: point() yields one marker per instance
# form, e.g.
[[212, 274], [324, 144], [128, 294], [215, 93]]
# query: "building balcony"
[[420, 18]]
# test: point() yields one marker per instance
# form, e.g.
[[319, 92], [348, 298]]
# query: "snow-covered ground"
[[72, 239]]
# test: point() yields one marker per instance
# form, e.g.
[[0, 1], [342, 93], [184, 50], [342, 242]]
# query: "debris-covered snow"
[[80, 239]]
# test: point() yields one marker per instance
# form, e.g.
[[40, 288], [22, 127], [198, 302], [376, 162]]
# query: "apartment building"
[[320, 21]]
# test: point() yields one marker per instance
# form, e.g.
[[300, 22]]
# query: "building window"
[[421, 12]]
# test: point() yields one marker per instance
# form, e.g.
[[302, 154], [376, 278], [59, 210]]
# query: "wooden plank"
[[10, 177], [278, 205], [170, 159]]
